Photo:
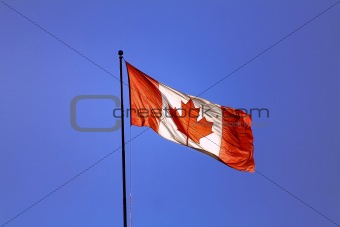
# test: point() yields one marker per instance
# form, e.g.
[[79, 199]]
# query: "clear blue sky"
[[188, 45]]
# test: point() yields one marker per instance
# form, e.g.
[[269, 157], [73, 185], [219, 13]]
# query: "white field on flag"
[[211, 112]]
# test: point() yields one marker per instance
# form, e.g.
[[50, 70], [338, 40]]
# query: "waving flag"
[[221, 132]]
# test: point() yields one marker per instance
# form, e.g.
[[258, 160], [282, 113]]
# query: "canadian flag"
[[221, 132]]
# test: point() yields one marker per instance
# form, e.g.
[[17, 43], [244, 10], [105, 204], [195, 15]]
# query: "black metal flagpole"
[[120, 53]]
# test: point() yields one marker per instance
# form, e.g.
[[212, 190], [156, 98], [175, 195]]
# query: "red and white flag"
[[221, 132]]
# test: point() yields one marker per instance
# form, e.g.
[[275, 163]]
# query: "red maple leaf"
[[187, 122]]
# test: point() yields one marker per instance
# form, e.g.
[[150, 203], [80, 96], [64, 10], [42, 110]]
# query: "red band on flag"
[[237, 140], [145, 98]]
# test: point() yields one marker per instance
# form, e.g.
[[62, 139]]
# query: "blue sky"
[[54, 175]]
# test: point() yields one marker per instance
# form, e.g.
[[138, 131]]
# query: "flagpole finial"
[[120, 53]]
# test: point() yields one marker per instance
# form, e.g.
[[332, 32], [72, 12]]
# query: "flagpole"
[[120, 53]]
